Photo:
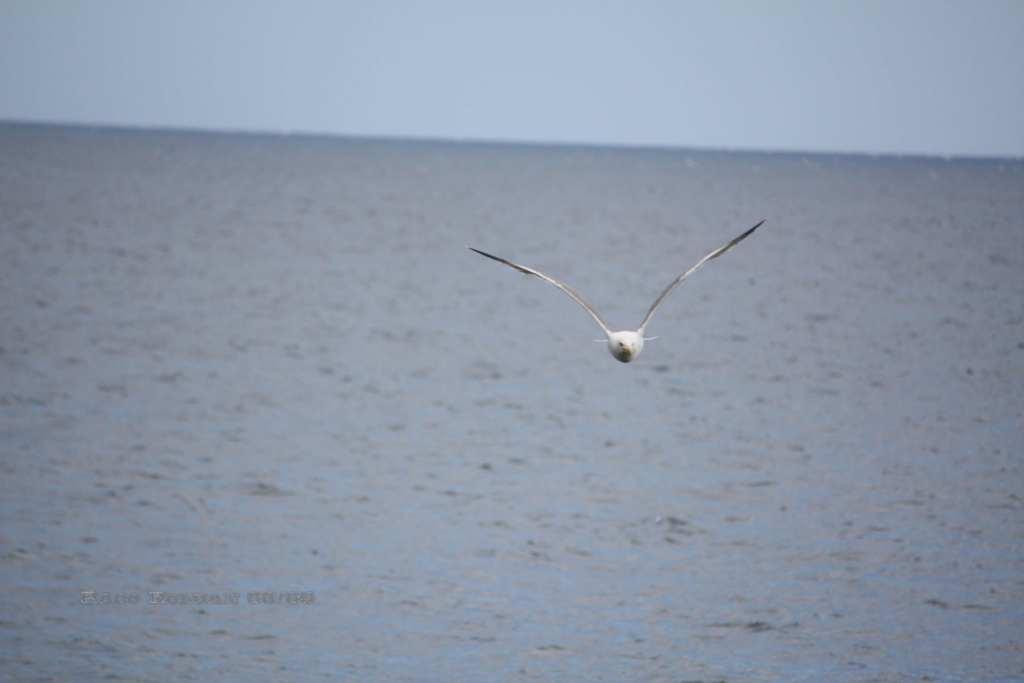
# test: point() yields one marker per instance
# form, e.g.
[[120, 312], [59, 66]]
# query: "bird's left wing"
[[715, 254]]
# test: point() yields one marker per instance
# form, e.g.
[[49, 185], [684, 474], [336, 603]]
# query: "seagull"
[[624, 345]]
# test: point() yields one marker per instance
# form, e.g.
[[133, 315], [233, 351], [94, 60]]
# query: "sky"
[[889, 76]]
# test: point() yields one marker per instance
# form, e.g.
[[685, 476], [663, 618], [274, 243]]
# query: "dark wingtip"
[[500, 260], [483, 253], [747, 233]]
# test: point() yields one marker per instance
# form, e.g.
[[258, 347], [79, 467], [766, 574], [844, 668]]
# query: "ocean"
[[264, 417]]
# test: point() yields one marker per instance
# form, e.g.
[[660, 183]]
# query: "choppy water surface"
[[235, 364]]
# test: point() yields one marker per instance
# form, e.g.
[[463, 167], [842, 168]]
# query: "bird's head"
[[625, 345]]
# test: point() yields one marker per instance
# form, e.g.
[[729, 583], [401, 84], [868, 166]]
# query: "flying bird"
[[624, 345]]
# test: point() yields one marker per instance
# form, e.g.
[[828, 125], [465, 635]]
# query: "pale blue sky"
[[903, 76]]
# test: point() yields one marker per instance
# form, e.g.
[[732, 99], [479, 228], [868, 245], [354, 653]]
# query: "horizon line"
[[496, 141]]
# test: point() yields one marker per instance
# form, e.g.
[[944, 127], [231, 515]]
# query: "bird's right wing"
[[561, 285], [715, 254]]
